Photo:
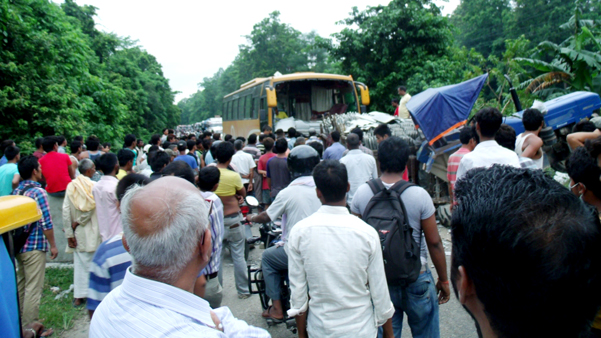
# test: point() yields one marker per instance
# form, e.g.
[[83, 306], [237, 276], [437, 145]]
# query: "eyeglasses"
[[576, 184]]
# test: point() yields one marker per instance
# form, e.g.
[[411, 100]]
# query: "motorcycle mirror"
[[252, 201]]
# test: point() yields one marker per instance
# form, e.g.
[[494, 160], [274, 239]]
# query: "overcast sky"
[[193, 39]]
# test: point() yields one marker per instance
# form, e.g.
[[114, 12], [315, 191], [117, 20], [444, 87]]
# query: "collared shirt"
[[360, 168], [109, 216], [335, 259], [142, 307], [107, 270], [216, 220], [334, 152], [36, 239], [453, 165], [314, 139], [403, 111], [294, 203], [485, 155], [362, 148]]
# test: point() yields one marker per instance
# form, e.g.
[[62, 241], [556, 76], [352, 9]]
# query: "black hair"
[[291, 132], [78, 138], [167, 129], [27, 165], [395, 101], [171, 137], [198, 142], [331, 179], [165, 144], [216, 136], [279, 132], [268, 143], [467, 134], [224, 152], [107, 145], [241, 138], [48, 143], [403, 88], [238, 144], [359, 132], [352, 141], [182, 146], [11, 152], [154, 148], [505, 136], [393, 154], [317, 146], [74, 146], [227, 137], [281, 145], [6, 143], [532, 119], [92, 143], [584, 125], [106, 162], [125, 155], [60, 139], [38, 142], [489, 119], [155, 139], [191, 144], [208, 177], [524, 240], [382, 130], [206, 133], [128, 181], [161, 159], [266, 128], [252, 138], [179, 169], [335, 136], [129, 139], [261, 137], [206, 143], [583, 168]]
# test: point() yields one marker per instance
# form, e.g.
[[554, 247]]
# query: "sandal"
[[267, 315]]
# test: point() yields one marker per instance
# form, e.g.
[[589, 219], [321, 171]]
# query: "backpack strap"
[[401, 186], [22, 192], [376, 185]]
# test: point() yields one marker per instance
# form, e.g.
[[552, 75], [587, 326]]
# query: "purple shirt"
[[334, 152], [107, 211]]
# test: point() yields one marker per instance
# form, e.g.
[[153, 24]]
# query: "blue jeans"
[[420, 302]]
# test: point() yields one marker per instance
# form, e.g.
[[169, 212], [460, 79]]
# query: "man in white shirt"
[[170, 243], [294, 203], [405, 97], [360, 166], [244, 164], [529, 144], [336, 267], [488, 151]]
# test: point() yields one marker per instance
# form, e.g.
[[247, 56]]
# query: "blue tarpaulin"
[[438, 111]]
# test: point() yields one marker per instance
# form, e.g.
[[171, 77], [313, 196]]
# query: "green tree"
[[384, 45]]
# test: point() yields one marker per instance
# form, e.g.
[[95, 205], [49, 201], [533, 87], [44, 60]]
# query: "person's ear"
[[465, 286], [348, 187], [124, 242], [205, 246], [319, 194], [215, 187]]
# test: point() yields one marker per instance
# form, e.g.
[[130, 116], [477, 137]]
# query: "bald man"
[[165, 226]]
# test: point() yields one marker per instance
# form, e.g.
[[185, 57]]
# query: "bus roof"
[[291, 77]]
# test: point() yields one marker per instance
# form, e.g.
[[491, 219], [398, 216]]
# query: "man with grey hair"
[[165, 227], [360, 166], [81, 228]]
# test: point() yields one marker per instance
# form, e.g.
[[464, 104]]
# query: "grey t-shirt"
[[277, 171], [418, 204]]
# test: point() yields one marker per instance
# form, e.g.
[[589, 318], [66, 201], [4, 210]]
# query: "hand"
[[240, 199], [264, 175], [216, 321], [250, 187], [53, 252], [74, 225], [37, 327], [72, 242], [444, 292], [249, 218]]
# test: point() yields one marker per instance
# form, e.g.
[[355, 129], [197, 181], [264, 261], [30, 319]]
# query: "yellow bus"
[[293, 100]]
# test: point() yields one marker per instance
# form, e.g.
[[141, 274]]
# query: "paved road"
[[454, 321]]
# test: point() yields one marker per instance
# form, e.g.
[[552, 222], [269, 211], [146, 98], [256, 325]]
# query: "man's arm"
[[576, 140], [46, 221], [50, 237], [16, 180], [533, 147], [250, 176], [301, 325], [436, 250], [71, 170]]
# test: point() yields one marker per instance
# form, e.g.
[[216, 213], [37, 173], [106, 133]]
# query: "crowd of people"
[[148, 227]]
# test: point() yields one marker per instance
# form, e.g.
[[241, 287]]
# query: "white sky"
[[193, 39]]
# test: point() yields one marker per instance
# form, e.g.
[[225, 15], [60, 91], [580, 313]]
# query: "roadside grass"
[[59, 314]]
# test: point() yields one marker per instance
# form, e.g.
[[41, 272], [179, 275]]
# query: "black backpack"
[[386, 213], [20, 235]]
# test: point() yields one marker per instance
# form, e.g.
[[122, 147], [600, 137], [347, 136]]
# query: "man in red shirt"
[[58, 171], [262, 168], [469, 140]]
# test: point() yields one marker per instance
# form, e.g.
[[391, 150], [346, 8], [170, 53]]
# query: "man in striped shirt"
[[469, 140], [31, 259], [165, 226]]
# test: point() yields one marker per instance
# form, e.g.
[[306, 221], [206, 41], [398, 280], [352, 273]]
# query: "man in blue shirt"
[[335, 151], [5, 144], [182, 147], [9, 173]]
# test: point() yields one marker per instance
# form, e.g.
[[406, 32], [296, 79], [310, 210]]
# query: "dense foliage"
[[59, 75]]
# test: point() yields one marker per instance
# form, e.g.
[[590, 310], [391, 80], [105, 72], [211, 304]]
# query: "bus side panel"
[[241, 127]]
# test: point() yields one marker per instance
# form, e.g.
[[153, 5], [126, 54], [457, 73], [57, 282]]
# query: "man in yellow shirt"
[[231, 192], [405, 97], [126, 162]]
